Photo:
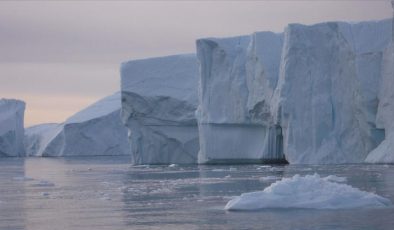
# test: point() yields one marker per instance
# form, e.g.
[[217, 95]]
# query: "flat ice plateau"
[[94, 131], [11, 127], [310, 192]]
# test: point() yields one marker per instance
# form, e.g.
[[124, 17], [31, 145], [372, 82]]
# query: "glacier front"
[[159, 100], [12, 127], [95, 131]]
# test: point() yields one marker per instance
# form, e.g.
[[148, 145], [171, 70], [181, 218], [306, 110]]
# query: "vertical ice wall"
[[326, 99], [159, 100], [384, 153], [237, 78], [11, 127]]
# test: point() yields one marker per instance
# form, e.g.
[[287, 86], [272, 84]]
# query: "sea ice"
[[311, 192]]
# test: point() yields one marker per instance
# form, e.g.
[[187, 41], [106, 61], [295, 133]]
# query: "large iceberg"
[[96, 130], [238, 76], [384, 153], [308, 96], [159, 100], [326, 99], [311, 192], [11, 127]]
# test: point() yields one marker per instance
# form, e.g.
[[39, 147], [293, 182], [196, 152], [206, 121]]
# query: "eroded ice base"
[[237, 143]]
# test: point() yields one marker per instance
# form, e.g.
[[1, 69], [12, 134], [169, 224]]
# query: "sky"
[[61, 56]]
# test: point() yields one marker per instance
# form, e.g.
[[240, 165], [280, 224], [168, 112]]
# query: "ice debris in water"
[[334, 178], [310, 191], [269, 178], [23, 178], [43, 183], [46, 194]]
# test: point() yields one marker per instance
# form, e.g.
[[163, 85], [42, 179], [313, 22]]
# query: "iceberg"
[[159, 100], [327, 94], [238, 76], [12, 127], [96, 130], [307, 192], [384, 153], [309, 95]]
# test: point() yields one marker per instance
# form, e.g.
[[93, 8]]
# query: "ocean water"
[[108, 193]]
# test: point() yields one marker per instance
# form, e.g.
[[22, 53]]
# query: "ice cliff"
[[384, 153], [96, 130], [326, 99], [11, 127], [309, 95], [159, 99], [237, 79]]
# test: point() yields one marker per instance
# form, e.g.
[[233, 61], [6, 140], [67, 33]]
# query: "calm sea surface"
[[107, 193]]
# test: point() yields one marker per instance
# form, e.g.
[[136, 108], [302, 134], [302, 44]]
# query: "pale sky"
[[61, 56]]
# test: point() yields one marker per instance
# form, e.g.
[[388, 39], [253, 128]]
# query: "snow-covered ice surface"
[[237, 78], [12, 127], [108, 193], [94, 131], [310, 191], [159, 99]]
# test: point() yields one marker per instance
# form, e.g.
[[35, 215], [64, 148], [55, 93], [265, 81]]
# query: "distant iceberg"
[[159, 100], [11, 127], [96, 130], [310, 192]]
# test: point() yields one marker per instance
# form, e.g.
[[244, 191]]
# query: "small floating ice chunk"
[[334, 178], [309, 191], [218, 170], [43, 183], [269, 178], [105, 197], [264, 166], [46, 194], [23, 178]]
